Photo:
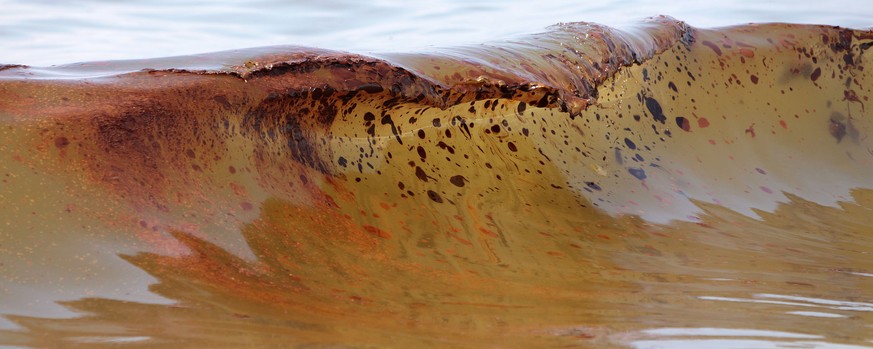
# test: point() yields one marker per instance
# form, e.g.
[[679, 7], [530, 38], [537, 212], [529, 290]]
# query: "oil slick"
[[584, 187]]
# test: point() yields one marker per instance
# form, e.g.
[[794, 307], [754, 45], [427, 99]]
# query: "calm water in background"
[[56, 32]]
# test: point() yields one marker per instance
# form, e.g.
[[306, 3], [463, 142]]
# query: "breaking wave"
[[662, 185]]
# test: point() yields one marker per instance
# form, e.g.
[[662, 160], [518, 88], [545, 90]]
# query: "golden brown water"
[[669, 187]]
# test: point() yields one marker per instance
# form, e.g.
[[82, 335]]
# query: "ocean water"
[[44, 33], [455, 175]]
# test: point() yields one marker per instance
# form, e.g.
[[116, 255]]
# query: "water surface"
[[659, 187], [50, 32]]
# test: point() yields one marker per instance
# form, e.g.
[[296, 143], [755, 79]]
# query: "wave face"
[[665, 186]]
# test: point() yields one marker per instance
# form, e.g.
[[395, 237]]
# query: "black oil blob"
[[683, 123], [386, 120], [457, 180], [435, 196], [630, 144], [420, 174], [463, 123], [371, 88], [447, 147], [543, 102], [637, 172], [655, 108]]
